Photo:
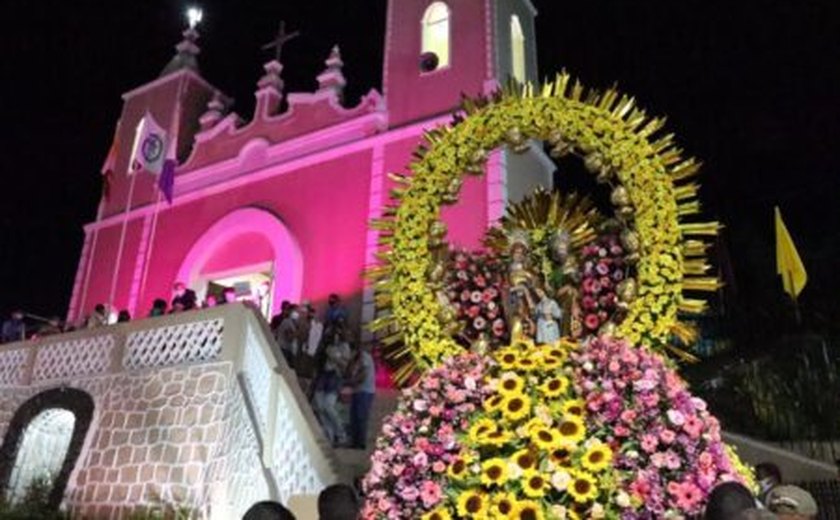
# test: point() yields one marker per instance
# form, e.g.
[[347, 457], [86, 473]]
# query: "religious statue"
[[564, 279], [548, 315], [520, 278]]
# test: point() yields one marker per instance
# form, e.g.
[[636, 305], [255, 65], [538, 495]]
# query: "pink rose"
[[667, 436], [438, 466], [430, 493]]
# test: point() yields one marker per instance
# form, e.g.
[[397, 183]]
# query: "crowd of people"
[[330, 368], [775, 500], [336, 502]]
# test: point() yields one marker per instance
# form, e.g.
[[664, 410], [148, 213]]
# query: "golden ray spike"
[[707, 284], [700, 228], [607, 99], [687, 191], [671, 156], [382, 224], [695, 248], [392, 339], [687, 334], [682, 354], [662, 143], [577, 91], [592, 97], [692, 306], [379, 324], [652, 126], [696, 266], [547, 90], [405, 372], [399, 178], [561, 84], [624, 107], [685, 169], [636, 118], [688, 208]]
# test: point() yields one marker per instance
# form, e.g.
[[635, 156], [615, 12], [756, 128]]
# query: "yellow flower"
[[572, 429], [527, 364], [510, 384], [534, 483], [472, 504], [480, 428], [550, 363], [493, 403], [458, 469], [597, 457], [495, 438], [583, 487], [554, 387], [440, 513], [525, 459], [544, 438], [507, 358], [527, 510], [556, 353], [533, 424], [502, 505], [561, 455], [494, 472], [574, 407], [516, 407]]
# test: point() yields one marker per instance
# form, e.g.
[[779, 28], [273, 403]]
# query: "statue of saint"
[[520, 279], [548, 315], [564, 279]]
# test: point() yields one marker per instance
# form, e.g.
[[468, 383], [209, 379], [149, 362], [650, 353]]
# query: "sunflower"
[[544, 438], [597, 458], [525, 459], [532, 424], [458, 469], [555, 386], [507, 358], [503, 505], [493, 403], [510, 384], [550, 363], [561, 455], [572, 429], [494, 472], [574, 407], [527, 364], [556, 353], [583, 487], [495, 438], [440, 513], [515, 407], [527, 510], [472, 503], [480, 428], [534, 483]]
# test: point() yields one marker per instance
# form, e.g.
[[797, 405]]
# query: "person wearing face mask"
[[768, 476]]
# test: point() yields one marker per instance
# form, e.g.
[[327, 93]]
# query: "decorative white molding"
[[73, 358], [13, 367], [185, 343]]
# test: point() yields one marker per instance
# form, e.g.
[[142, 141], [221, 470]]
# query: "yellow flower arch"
[[618, 142]]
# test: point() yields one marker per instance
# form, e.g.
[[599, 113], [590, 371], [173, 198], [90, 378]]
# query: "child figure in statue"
[[548, 315], [564, 279]]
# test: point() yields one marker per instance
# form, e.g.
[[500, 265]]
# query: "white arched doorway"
[[247, 248]]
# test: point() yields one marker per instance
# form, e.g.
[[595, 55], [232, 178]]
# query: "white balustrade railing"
[[281, 437]]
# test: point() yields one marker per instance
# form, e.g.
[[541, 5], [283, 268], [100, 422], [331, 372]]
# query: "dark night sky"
[[750, 87]]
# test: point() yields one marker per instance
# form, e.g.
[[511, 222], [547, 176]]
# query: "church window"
[[517, 47], [436, 32]]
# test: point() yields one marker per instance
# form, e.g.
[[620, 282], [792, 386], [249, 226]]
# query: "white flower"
[[514, 471], [676, 417], [470, 383], [622, 499], [588, 366], [560, 480], [632, 454], [558, 512], [420, 405], [597, 511]]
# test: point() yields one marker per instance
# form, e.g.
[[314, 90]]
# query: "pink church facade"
[[283, 201]]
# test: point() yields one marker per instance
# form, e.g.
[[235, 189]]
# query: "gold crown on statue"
[[519, 237]]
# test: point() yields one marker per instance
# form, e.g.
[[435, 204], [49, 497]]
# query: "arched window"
[[436, 32], [517, 49]]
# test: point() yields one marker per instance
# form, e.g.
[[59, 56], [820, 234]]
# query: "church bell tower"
[[437, 50]]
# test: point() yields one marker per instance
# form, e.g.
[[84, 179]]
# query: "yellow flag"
[[788, 263]]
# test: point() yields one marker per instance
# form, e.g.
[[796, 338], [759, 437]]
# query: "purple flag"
[[166, 182]]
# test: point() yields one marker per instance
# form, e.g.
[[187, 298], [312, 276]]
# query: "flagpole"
[[797, 315], [148, 255], [122, 239]]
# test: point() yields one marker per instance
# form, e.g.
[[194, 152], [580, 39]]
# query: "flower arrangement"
[[617, 140], [668, 449], [473, 285], [526, 454], [602, 269], [419, 441]]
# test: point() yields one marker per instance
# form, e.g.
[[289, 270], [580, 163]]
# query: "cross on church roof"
[[280, 40]]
